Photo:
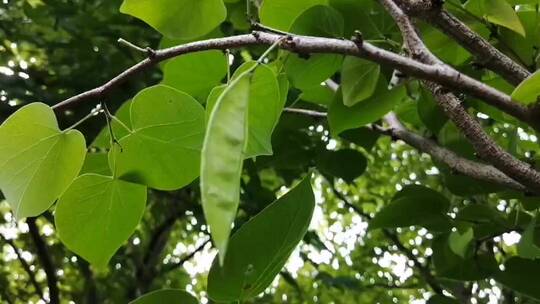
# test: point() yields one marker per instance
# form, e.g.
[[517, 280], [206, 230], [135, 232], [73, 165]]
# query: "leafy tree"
[[229, 151]]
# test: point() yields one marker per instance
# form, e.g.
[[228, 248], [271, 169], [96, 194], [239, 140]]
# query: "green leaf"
[[178, 18], [222, 158], [528, 91], [197, 73], [37, 160], [163, 150], [97, 214], [521, 275], [497, 12], [97, 162], [347, 164], [527, 247], [264, 109], [429, 112], [359, 78], [363, 137], [487, 220], [280, 14], [460, 243], [260, 248], [341, 117], [414, 206], [307, 71], [367, 16], [319, 94], [452, 266], [166, 296], [501, 13]]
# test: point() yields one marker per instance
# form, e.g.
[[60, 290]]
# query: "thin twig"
[[186, 258], [306, 112], [46, 260], [26, 267]]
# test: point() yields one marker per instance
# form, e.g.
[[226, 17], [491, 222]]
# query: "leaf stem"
[[108, 117], [148, 51], [94, 112], [228, 55], [271, 48]]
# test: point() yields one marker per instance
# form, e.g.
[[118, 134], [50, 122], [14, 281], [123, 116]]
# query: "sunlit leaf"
[[37, 160], [197, 17], [163, 149], [197, 73], [528, 91], [280, 14], [97, 214]]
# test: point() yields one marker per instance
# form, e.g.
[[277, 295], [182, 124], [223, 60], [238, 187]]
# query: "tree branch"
[[486, 147], [26, 267], [455, 162], [46, 260], [485, 53], [439, 73], [90, 288]]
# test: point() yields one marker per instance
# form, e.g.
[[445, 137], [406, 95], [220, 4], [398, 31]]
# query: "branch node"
[[260, 27], [288, 42], [148, 51], [358, 38]]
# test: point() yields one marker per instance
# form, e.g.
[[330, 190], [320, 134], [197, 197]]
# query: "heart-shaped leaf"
[[37, 160], [280, 14], [196, 73], [260, 248], [97, 214], [178, 18], [163, 150]]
